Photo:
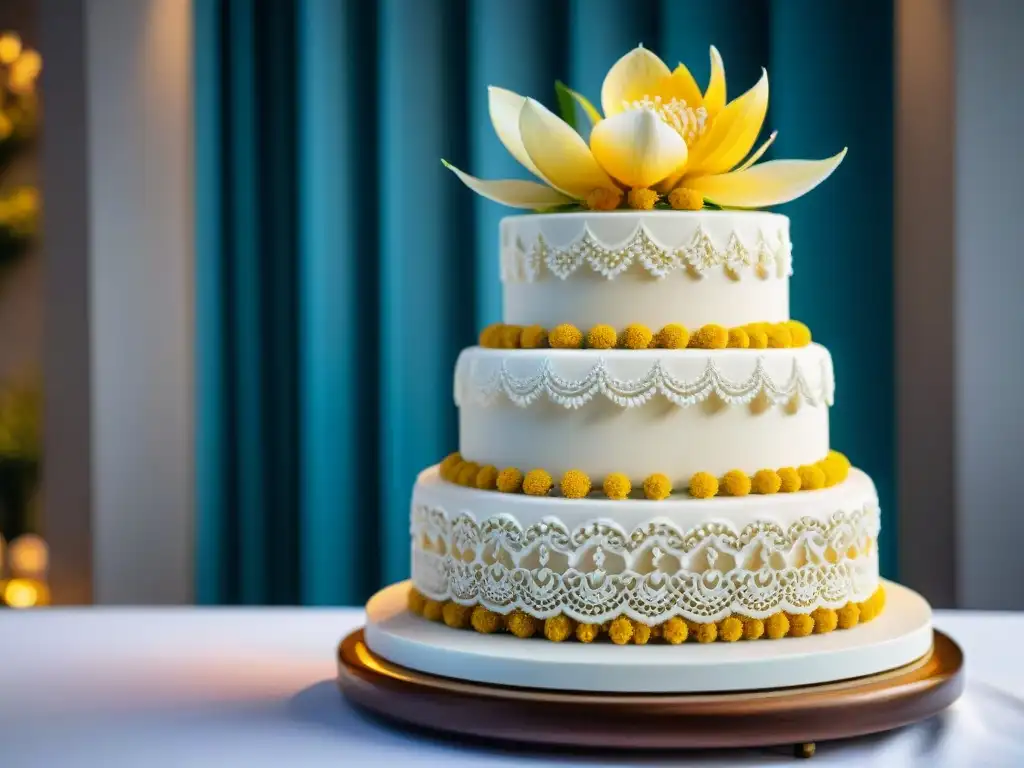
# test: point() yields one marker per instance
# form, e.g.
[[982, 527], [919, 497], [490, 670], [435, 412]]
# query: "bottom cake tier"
[[636, 570]]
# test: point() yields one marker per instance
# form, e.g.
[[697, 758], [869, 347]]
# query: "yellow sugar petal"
[[760, 151], [715, 95], [637, 147], [504, 107], [559, 153], [681, 85], [635, 75], [512, 192], [733, 132], [771, 183]]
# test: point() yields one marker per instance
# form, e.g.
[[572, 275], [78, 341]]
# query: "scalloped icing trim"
[[630, 393], [714, 570], [765, 257]]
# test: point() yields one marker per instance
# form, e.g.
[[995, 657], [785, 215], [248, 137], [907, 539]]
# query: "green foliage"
[[20, 423], [566, 103]]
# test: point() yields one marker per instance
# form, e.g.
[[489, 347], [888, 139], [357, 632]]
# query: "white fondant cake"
[[586, 268], [638, 412], [595, 559], [641, 412]]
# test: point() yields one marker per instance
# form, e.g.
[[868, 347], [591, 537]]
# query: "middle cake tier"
[[640, 412]]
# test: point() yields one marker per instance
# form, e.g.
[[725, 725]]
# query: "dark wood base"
[[794, 716]]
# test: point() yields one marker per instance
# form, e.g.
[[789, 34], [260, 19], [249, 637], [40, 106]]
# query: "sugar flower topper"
[[659, 138]]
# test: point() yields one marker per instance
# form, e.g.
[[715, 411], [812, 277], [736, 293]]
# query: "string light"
[[29, 556], [22, 593]]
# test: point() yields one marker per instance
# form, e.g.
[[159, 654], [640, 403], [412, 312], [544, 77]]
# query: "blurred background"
[[227, 344]]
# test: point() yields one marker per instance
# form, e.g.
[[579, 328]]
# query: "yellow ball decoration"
[[777, 626], [675, 631], [510, 336], [706, 633], [753, 629], [799, 333], [873, 606], [602, 337], [432, 610], [672, 336], [447, 466], [848, 616], [620, 631], [836, 468], [510, 480], [537, 483], [730, 629], [521, 624], [603, 199], [575, 484], [738, 339], [456, 616], [487, 478], [467, 473], [779, 337], [642, 199], [565, 336], [636, 336], [617, 486], [533, 337], [834, 472], [736, 483], [839, 458], [766, 481], [825, 620], [484, 621], [587, 633], [800, 625], [867, 611], [657, 487], [558, 628], [758, 339], [683, 199], [416, 601], [709, 336], [789, 480], [490, 336], [641, 634], [703, 485], [811, 477]]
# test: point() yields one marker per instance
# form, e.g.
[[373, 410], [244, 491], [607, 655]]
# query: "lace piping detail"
[[768, 255], [598, 571], [629, 393]]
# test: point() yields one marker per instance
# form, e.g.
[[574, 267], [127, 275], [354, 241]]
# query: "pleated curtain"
[[340, 268]]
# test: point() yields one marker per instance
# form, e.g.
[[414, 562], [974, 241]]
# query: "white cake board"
[[900, 635]]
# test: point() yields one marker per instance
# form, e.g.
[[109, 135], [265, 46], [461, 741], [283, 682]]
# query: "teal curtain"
[[341, 268]]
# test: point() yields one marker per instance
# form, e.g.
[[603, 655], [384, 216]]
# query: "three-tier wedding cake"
[[644, 451]]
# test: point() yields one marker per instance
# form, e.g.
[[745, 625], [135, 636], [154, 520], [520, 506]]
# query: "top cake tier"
[[730, 268]]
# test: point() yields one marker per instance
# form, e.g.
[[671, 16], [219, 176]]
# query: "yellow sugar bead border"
[[786, 335], [623, 630], [830, 471], [576, 484]]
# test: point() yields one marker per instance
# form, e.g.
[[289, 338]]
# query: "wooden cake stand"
[[793, 716]]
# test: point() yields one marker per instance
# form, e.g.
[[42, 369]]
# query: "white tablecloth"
[[149, 688]]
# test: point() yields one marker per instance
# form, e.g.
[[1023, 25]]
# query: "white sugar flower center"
[[688, 122]]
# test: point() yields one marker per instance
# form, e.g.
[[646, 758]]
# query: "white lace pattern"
[[765, 257], [474, 382], [600, 570]]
